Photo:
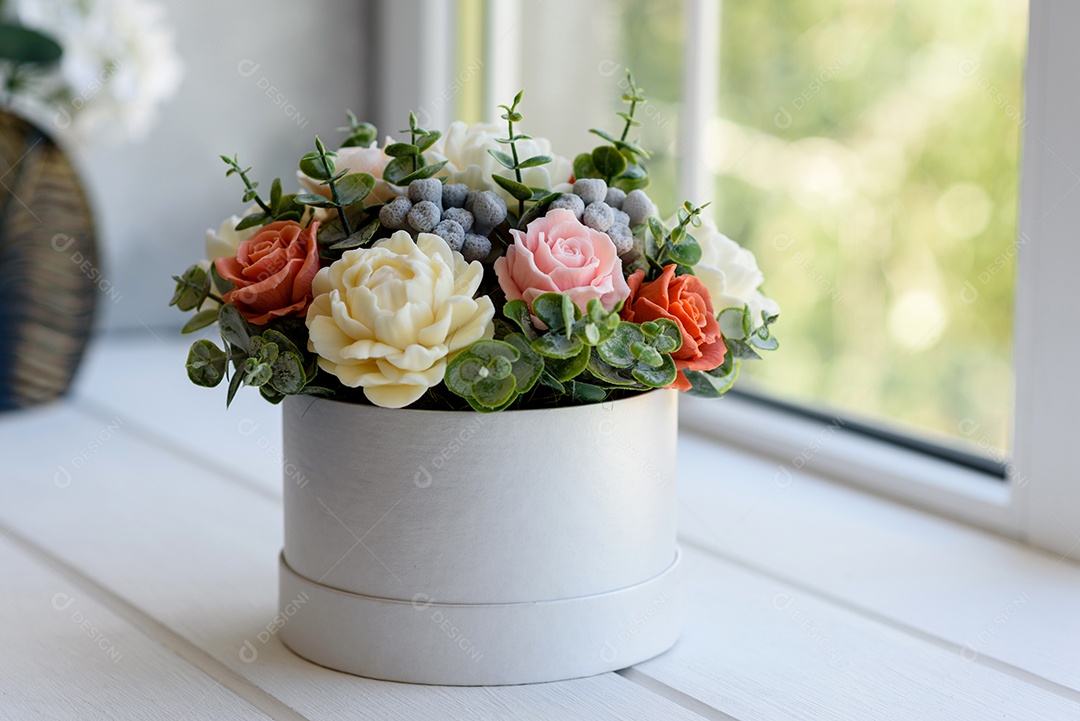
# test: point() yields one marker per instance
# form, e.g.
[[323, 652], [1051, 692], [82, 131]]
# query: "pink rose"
[[557, 254]]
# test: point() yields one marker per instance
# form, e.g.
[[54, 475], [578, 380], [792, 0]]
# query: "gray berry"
[[452, 232], [598, 216], [470, 198], [615, 197], [638, 206], [393, 214], [488, 210], [429, 189], [622, 238], [424, 216], [453, 195], [590, 190], [476, 247], [630, 256], [621, 218], [461, 216], [570, 202]]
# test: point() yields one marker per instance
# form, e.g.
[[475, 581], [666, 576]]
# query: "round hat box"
[[461, 548]]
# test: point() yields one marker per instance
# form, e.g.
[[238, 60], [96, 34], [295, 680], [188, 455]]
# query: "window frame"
[[1036, 503]]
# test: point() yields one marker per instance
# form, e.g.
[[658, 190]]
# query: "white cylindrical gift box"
[[463, 548]]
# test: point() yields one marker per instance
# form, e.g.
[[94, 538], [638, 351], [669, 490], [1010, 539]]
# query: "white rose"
[[389, 317], [730, 272], [224, 242], [466, 147], [371, 160]]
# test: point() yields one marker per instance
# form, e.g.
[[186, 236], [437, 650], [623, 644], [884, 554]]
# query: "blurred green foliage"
[[867, 151]]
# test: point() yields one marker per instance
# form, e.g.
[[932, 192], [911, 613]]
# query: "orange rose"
[[685, 300], [272, 271]]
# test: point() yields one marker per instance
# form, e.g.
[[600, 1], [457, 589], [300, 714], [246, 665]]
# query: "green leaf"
[[587, 392], [556, 310], [401, 150], [250, 221], [609, 162], [528, 367], [354, 187], [606, 373], [615, 350], [283, 342], [234, 385], [767, 343], [504, 160], [656, 377], [539, 208], [603, 135], [21, 45], [518, 312], [569, 368], [397, 169], [646, 354], [206, 364], [317, 167], [687, 252], [200, 320], [314, 200], [493, 392], [557, 345], [359, 238], [234, 329], [710, 385], [275, 194], [428, 139], [270, 394], [734, 323], [741, 350], [519, 191], [668, 337], [288, 374], [535, 161], [191, 289], [584, 167], [425, 172]]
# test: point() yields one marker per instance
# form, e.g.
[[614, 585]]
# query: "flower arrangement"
[[98, 69], [471, 269]]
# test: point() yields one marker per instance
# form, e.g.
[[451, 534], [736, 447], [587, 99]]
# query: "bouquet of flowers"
[[471, 269]]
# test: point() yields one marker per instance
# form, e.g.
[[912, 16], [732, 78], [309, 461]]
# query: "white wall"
[[155, 199]]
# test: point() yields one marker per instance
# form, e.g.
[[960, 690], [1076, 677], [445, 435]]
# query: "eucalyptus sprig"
[[267, 359], [663, 247], [345, 188], [517, 188], [279, 207], [408, 162], [622, 163], [360, 135]]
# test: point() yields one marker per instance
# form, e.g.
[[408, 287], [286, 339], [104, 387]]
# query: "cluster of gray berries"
[[463, 218], [609, 210]]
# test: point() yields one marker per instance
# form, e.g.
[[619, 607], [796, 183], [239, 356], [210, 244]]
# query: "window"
[[868, 153]]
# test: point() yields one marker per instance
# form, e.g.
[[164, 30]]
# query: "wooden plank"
[[198, 553], [67, 656], [758, 649], [141, 378], [986, 597]]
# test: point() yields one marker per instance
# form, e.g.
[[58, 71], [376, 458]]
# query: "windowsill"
[[806, 599]]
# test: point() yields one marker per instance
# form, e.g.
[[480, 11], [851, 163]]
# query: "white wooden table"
[[140, 525]]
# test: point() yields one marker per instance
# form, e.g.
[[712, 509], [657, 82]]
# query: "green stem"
[[626, 130], [513, 151]]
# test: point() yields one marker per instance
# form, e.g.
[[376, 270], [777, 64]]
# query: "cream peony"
[[389, 317], [730, 273], [371, 160], [466, 147]]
